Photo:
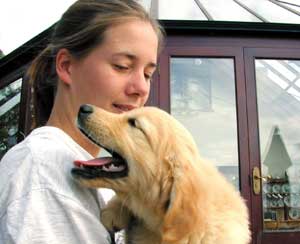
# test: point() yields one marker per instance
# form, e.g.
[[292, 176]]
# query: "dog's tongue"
[[93, 162]]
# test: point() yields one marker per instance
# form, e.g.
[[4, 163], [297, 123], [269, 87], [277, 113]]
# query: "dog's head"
[[153, 158]]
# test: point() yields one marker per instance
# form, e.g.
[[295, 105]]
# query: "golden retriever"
[[165, 192]]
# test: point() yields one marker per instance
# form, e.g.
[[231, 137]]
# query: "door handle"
[[257, 179], [263, 178]]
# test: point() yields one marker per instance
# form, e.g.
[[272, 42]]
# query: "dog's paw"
[[115, 219], [115, 216], [110, 220]]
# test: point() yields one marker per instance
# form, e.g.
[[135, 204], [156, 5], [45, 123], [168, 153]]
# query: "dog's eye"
[[132, 122]]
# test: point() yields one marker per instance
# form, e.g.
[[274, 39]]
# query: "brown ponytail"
[[43, 83]]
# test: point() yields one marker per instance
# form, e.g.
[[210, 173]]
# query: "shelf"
[[282, 225]]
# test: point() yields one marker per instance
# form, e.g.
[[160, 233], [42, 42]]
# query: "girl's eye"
[[148, 76], [121, 67]]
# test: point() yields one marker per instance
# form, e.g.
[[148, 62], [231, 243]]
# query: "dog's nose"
[[85, 109], [83, 113]]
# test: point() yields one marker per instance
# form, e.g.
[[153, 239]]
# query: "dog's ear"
[[187, 210]]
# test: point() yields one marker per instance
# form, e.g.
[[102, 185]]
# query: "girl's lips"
[[124, 107]]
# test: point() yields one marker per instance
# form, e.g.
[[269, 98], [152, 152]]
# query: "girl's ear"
[[188, 205], [63, 64]]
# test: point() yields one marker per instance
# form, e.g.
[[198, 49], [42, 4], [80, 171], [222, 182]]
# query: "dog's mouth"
[[105, 167]]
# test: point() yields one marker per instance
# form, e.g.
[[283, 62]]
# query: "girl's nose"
[[138, 85]]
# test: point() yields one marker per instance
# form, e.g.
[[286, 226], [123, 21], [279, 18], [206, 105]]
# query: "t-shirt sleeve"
[[44, 216]]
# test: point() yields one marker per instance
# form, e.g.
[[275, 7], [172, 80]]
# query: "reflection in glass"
[[230, 11], [271, 11], [278, 95], [203, 99], [177, 10], [9, 115]]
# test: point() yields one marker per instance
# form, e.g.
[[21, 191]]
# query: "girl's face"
[[116, 75]]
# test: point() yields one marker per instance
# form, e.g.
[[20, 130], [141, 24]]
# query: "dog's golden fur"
[[177, 197]]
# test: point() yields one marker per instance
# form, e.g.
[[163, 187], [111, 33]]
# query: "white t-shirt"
[[39, 200]]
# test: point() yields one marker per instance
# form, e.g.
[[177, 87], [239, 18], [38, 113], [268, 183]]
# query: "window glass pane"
[[278, 99], [20, 21], [230, 11], [295, 2], [9, 115], [203, 99], [177, 10], [291, 4], [271, 11], [146, 4]]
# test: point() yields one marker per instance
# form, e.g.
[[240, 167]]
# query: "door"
[[273, 91], [204, 88], [242, 106]]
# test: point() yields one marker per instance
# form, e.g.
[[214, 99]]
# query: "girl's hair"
[[81, 28]]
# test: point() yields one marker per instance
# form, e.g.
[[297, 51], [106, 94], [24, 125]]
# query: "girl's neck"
[[64, 117]]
